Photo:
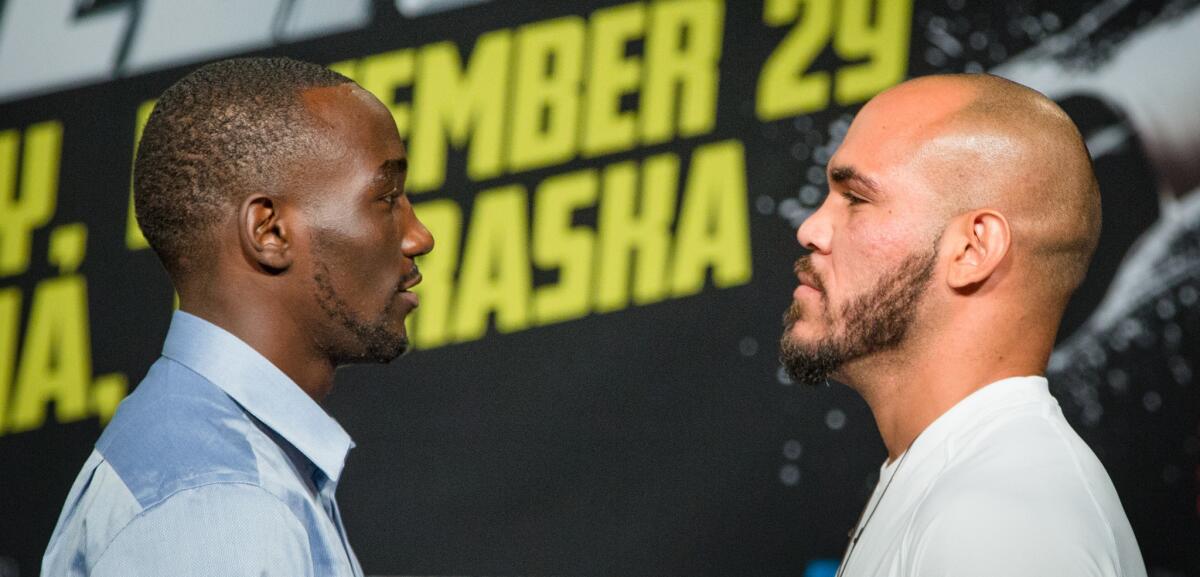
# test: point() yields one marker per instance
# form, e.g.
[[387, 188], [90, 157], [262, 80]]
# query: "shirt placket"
[[325, 490]]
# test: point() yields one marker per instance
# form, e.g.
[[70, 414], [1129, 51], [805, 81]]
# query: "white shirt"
[[998, 485]]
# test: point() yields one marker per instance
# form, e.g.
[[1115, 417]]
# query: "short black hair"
[[226, 128]]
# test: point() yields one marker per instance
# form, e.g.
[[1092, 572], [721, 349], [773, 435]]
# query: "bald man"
[[962, 213]]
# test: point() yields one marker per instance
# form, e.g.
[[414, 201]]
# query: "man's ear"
[[981, 239], [265, 234]]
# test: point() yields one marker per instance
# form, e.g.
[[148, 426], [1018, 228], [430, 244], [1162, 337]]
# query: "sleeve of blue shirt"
[[211, 530]]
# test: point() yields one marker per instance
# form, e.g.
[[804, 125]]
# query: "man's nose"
[[814, 233], [417, 239]]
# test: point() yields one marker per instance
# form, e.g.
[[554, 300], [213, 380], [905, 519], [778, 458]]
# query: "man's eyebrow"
[[847, 174], [390, 174], [394, 167], [390, 171]]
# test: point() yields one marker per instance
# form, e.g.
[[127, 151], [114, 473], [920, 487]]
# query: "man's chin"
[[382, 343], [394, 348], [808, 362]]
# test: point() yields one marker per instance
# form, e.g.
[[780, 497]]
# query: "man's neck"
[[906, 395], [275, 337]]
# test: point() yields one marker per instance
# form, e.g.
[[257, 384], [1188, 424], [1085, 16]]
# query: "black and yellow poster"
[[615, 189]]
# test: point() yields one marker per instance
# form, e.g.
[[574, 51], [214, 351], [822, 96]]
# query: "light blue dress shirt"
[[217, 464]]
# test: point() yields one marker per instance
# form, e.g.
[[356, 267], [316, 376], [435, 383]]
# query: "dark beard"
[[375, 342], [875, 321]]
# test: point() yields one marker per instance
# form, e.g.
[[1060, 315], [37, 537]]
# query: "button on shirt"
[[998, 485], [217, 464]]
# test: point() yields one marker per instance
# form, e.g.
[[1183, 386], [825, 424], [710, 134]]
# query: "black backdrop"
[[624, 412]]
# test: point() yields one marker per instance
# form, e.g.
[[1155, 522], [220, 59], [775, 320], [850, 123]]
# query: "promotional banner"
[[614, 189]]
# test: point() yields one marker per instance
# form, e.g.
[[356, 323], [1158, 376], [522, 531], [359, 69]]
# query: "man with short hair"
[[962, 213], [273, 192]]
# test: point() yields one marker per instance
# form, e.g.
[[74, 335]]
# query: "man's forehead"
[[333, 104], [861, 159], [894, 125], [350, 114], [912, 110]]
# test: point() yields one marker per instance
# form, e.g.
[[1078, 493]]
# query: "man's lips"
[[809, 284], [411, 298], [806, 275], [410, 280], [803, 290], [810, 281]]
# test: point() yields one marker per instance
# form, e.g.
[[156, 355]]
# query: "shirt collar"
[[260, 388]]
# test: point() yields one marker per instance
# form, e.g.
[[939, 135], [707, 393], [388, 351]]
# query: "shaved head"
[[1043, 179], [226, 129], [973, 194], [1010, 148]]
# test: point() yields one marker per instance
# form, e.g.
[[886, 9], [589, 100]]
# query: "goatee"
[[872, 322]]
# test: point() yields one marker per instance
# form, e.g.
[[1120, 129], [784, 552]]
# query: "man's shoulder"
[[1023, 483], [1029, 459], [232, 524], [178, 431], [1032, 444]]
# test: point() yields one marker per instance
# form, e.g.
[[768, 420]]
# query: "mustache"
[[807, 274]]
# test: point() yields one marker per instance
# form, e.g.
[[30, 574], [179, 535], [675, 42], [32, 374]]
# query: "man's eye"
[[852, 199]]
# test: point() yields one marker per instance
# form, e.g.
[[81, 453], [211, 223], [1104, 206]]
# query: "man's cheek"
[[876, 252], [876, 243]]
